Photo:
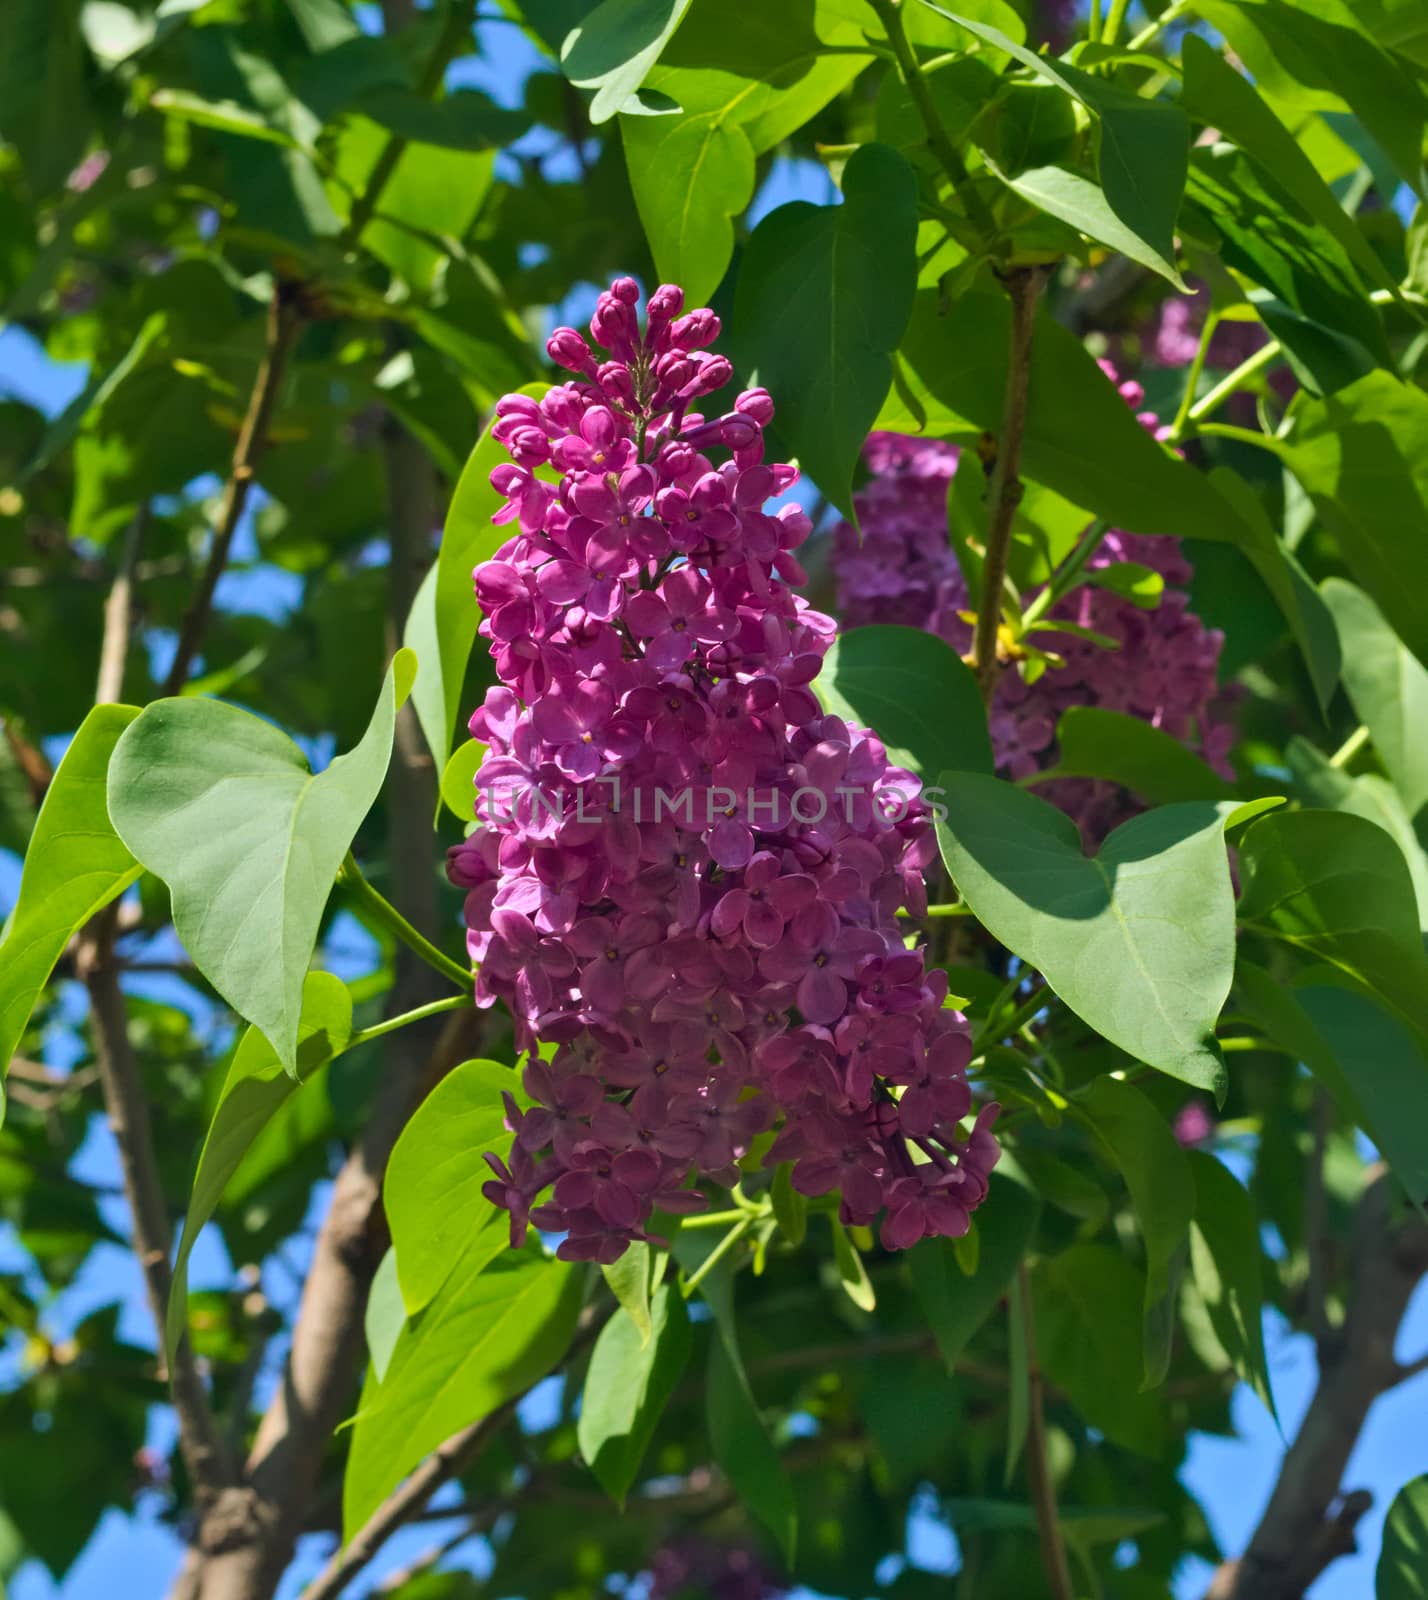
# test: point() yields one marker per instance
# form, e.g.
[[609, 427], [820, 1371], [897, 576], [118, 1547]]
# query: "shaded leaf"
[[743, 1449], [1162, 1190], [914, 691], [612, 48], [851, 269], [1402, 1571], [1096, 743], [1225, 1255]]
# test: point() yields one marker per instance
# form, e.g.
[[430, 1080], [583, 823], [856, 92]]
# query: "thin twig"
[[1024, 286], [283, 326], [1038, 1463], [118, 613], [1316, 1220], [938, 139]]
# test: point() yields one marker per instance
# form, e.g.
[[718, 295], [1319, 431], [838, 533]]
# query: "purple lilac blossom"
[[685, 878], [1164, 671]]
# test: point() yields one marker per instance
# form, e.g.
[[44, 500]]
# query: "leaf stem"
[[1024, 286], [938, 140], [720, 1250], [1172, 13], [1350, 747], [350, 874], [1192, 378], [1112, 30], [1227, 385], [1064, 580], [1038, 1464], [453, 1002]]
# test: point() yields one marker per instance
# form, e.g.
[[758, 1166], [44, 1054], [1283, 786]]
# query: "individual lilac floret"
[[1164, 672], [685, 878]]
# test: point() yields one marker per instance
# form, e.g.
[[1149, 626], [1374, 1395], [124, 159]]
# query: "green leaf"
[[75, 864], [222, 806], [914, 691], [950, 383], [743, 1449], [1388, 687], [441, 626], [386, 1315], [1382, 1060], [1362, 455], [1225, 1256], [458, 779], [432, 1189], [490, 1333], [790, 1208], [1222, 98], [1076, 200], [851, 269], [1095, 743], [956, 1304], [1302, 50], [44, 111], [631, 1377], [1140, 1142], [324, 24], [1387, 1068], [1143, 146], [690, 176], [1323, 784], [743, 90], [1318, 306], [254, 1090], [223, 116], [1138, 940], [1337, 888], [1402, 1571], [631, 1281], [1088, 1338], [852, 1274], [612, 48]]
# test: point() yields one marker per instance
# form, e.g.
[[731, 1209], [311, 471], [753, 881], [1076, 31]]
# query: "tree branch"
[[1038, 1463], [1024, 286], [1309, 1522], [284, 325]]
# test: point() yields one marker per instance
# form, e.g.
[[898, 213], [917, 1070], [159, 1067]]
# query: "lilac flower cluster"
[[729, 965], [696, 1564], [904, 571]]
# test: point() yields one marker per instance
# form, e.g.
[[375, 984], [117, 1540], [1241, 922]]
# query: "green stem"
[[720, 1250], [1112, 30], [385, 912], [1093, 23], [713, 1219], [1192, 378], [1064, 579], [455, 1002], [1172, 13], [938, 140], [1233, 380], [1021, 1016], [1350, 747]]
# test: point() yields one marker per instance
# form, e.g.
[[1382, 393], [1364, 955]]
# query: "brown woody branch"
[[283, 326], [1310, 1521], [1038, 1459]]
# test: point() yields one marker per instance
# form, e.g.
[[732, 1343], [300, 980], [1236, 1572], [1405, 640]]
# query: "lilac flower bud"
[[758, 404], [568, 349], [695, 331]]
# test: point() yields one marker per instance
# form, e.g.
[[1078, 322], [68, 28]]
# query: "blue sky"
[[135, 1555]]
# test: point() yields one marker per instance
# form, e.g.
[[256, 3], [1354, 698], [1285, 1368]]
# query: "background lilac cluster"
[[692, 984], [1163, 671]]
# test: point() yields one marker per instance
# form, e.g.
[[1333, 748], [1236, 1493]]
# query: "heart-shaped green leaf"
[[224, 808], [1139, 940]]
